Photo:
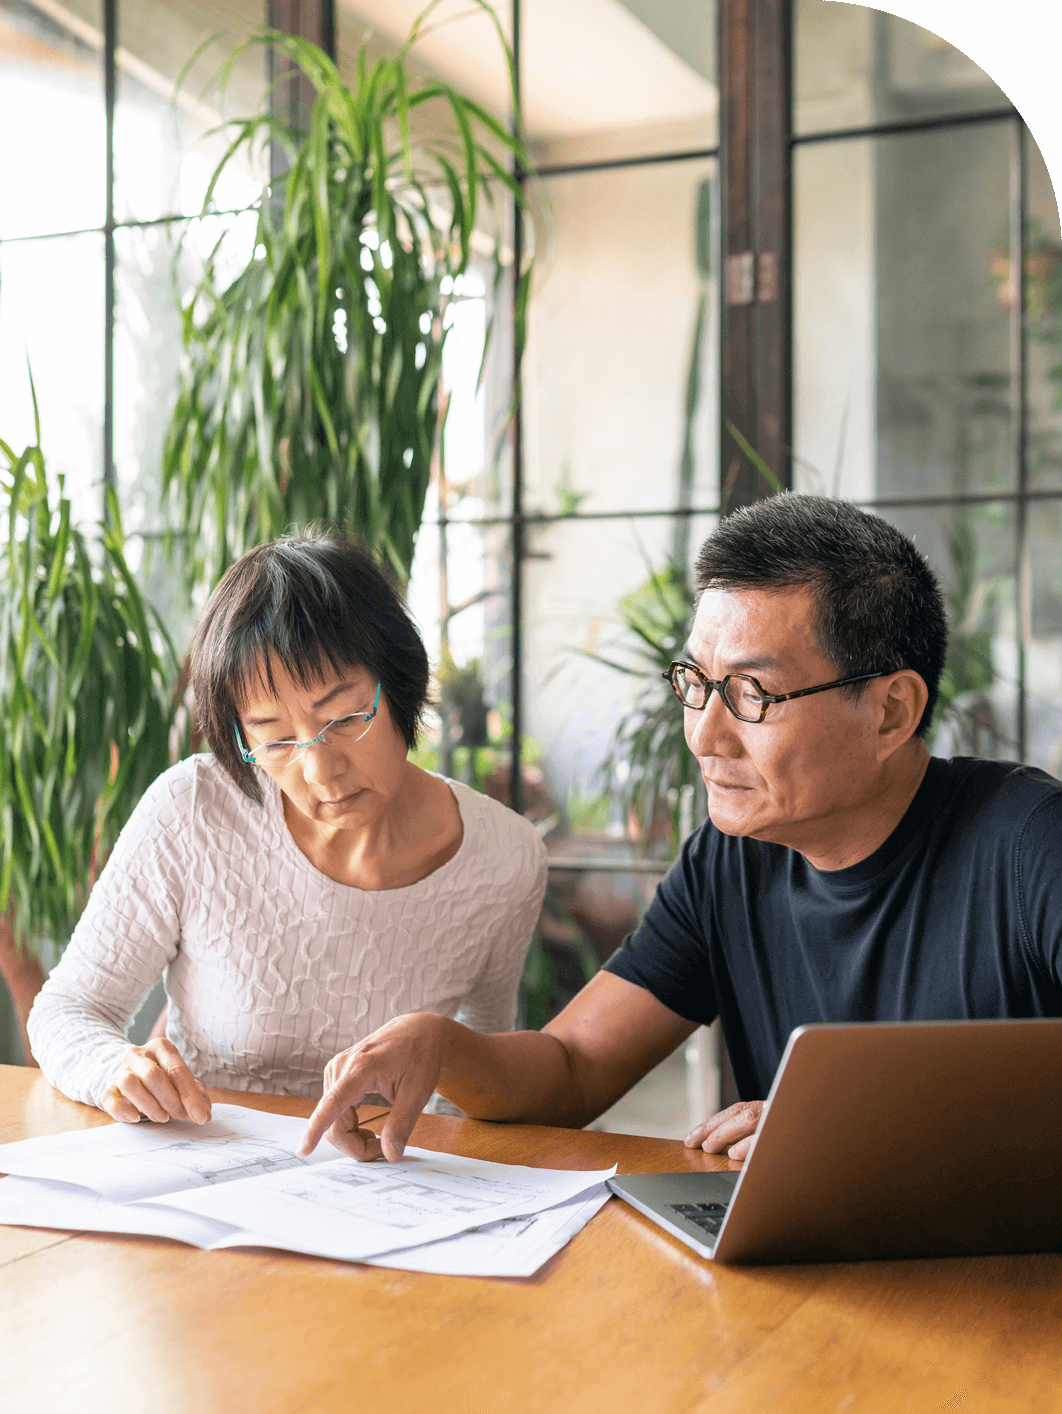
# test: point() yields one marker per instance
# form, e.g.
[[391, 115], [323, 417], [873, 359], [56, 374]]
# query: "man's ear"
[[903, 700]]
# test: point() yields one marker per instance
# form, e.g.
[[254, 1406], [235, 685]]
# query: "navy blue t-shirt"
[[957, 915]]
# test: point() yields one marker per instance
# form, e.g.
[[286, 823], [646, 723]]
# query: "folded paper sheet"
[[514, 1247], [238, 1182]]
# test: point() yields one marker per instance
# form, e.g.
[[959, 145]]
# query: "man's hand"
[[402, 1062], [733, 1130], [153, 1082]]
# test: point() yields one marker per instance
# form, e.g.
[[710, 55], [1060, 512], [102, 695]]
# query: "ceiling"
[[587, 65]]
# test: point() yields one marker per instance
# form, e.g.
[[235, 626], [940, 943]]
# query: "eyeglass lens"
[[742, 695], [344, 731]]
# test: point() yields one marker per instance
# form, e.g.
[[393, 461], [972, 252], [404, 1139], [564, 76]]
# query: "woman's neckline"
[[275, 800]]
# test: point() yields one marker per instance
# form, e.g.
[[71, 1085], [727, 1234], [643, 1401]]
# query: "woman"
[[307, 882]]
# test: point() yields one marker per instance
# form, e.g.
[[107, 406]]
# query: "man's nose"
[[711, 725]]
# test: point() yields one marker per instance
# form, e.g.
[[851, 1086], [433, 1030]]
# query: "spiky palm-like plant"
[[310, 381], [87, 700]]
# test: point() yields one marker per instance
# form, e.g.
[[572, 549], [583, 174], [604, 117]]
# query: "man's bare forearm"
[[525, 1076], [603, 1041], [600, 1045]]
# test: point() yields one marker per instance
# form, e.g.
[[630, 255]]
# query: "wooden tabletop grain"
[[625, 1318]]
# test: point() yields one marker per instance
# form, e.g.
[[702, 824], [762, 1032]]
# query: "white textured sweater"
[[270, 967]]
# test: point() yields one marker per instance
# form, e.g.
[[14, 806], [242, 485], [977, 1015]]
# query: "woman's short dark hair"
[[317, 603], [877, 602]]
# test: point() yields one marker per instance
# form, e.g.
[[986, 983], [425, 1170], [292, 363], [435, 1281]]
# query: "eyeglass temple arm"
[[247, 755], [823, 687]]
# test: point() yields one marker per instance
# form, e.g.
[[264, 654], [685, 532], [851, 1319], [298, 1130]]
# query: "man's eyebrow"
[[745, 665], [758, 661], [260, 721]]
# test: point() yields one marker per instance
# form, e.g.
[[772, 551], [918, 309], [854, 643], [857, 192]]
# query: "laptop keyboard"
[[707, 1216]]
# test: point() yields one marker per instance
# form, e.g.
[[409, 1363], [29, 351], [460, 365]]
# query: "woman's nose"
[[320, 762]]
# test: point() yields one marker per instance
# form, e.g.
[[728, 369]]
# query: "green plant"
[[310, 381], [973, 609], [648, 760], [86, 697]]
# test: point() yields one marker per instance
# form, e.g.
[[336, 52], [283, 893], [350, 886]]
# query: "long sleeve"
[[128, 934]]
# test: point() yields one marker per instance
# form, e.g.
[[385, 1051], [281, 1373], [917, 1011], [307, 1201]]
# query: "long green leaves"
[[648, 760], [86, 677], [310, 383]]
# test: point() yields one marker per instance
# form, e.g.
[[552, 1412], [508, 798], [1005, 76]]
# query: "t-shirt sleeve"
[[128, 933], [1039, 867], [668, 954]]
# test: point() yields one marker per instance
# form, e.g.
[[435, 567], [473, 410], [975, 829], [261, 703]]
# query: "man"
[[843, 874]]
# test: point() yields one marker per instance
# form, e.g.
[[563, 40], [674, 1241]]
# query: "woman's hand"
[[402, 1062], [733, 1130], [153, 1082]]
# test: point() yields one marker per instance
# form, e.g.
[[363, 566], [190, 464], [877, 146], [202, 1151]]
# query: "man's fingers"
[[727, 1134], [406, 1107], [700, 1132], [346, 1094], [740, 1151], [726, 1128], [360, 1144]]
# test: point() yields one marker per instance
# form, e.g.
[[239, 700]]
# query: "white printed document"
[[514, 1247], [127, 1162], [238, 1182]]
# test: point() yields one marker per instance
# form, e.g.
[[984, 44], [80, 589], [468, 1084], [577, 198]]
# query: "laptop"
[[886, 1139]]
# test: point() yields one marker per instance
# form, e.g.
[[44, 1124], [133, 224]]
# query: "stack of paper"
[[237, 1182]]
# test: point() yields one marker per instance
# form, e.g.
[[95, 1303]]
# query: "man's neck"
[[867, 826]]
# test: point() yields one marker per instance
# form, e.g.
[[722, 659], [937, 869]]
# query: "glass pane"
[[619, 78], [460, 587], [972, 549], [600, 79], [459, 45], [162, 158], [51, 314], [856, 65], [621, 372], [1043, 662], [1043, 292], [589, 586], [587, 583], [459, 594], [51, 96], [902, 348], [155, 267]]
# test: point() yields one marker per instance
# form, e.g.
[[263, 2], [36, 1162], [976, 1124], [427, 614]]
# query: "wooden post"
[[754, 77], [293, 101]]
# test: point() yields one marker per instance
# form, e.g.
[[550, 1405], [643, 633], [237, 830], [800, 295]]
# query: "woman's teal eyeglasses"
[[279, 755]]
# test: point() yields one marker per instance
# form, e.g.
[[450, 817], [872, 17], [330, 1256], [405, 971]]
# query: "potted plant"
[[310, 381], [649, 764], [87, 699]]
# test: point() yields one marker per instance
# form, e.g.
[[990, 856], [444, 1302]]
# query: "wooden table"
[[624, 1318]]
